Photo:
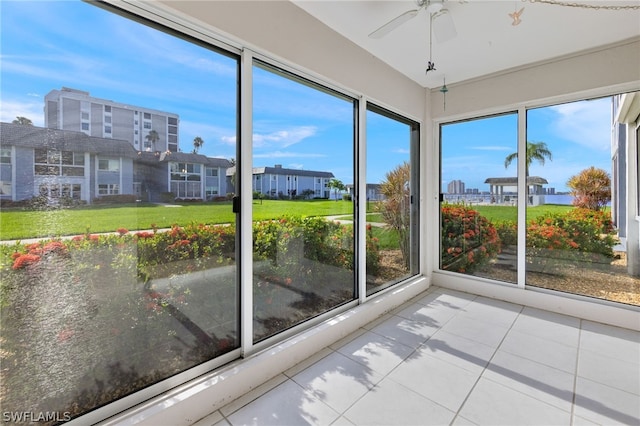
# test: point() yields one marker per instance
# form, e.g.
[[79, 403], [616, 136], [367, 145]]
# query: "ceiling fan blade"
[[443, 27], [393, 24]]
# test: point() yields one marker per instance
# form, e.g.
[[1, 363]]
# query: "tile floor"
[[454, 358]]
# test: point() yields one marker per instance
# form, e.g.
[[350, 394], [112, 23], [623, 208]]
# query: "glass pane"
[[391, 213], [479, 197], [582, 231], [135, 292], [303, 230]]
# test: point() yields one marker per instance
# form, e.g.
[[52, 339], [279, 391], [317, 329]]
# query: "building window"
[[84, 126], [185, 171], [186, 189], [107, 129], [147, 125], [211, 191], [58, 163], [107, 119], [147, 116], [172, 121], [108, 189], [56, 190], [109, 165], [5, 155], [84, 115], [211, 172], [107, 108], [5, 187]]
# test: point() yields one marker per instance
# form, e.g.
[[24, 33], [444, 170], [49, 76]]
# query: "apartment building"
[[146, 129]]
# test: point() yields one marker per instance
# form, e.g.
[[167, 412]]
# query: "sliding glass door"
[[303, 212], [479, 197]]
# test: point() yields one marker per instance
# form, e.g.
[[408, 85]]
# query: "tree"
[[591, 188], [152, 138], [23, 120], [395, 207], [535, 151], [336, 185], [197, 144]]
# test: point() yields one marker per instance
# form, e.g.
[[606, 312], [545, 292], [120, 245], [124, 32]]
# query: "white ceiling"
[[486, 40]]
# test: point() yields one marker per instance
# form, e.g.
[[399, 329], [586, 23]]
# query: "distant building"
[[278, 181], [455, 187], [72, 109], [373, 192], [62, 163], [94, 147]]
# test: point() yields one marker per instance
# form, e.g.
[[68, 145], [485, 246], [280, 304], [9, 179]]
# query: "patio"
[[448, 357]]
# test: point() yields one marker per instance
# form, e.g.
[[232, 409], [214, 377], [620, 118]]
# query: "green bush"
[[116, 199], [469, 240], [587, 235], [507, 232]]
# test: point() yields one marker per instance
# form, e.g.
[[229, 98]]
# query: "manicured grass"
[[510, 213], [17, 224]]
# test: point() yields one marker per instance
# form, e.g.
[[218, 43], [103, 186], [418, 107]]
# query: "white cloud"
[[586, 123], [277, 139], [283, 138], [401, 151], [229, 140], [11, 109], [297, 166]]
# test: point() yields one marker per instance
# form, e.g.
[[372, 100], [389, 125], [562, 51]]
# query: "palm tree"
[[535, 151], [337, 185], [153, 137], [197, 144], [23, 120]]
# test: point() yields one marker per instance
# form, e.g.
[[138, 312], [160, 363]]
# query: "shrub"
[[291, 240], [116, 199], [591, 188], [469, 240], [588, 234], [507, 232]]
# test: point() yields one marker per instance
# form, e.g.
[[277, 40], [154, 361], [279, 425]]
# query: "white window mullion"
[[522, 197], [361, 197], [244, 169]]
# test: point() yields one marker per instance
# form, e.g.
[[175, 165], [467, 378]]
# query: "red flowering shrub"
[[54, 247], [582, 234], [122, 231], [25, 260], [469, 240]]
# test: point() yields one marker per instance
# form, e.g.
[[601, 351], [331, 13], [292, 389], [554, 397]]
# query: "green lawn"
[[503, 213], [17, 224]]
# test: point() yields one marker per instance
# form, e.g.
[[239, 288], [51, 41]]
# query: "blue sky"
[[48, 45], [578, 134]]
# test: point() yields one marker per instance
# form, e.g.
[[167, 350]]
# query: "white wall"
[[599, 71]]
